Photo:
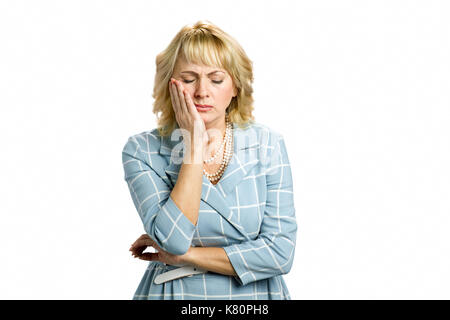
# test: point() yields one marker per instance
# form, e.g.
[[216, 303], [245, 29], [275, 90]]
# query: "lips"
[[203, 107]]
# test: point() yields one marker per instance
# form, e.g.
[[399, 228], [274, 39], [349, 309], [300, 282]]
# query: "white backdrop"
[[359, 89]]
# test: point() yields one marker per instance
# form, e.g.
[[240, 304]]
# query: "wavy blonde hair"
[[204, 43]]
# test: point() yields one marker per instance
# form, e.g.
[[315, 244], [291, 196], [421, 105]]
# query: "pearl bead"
[[228, 132], [228, 140]]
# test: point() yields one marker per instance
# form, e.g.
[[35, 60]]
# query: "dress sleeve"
[[272, 252], [163, 220]]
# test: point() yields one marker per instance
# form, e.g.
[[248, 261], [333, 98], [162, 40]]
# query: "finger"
[[137, 246], [149, 256], [182, 100], [142, 237], [172, 99], [171, 96], [136, 253], [139, 250], [143, 243], [191, 106], [176, 100]]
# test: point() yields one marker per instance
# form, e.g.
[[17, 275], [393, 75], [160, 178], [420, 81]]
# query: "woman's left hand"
[[144, 241]]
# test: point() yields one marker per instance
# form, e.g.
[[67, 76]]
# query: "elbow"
[[283, 256], [288, 262], [287, 259], [289, 254], [171, 244], [178, 249], [170, 229]]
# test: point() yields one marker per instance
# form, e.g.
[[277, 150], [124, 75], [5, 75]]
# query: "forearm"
[[210, 258], [188, 189]]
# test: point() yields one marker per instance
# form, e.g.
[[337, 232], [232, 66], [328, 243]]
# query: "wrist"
[[193, 156], [188, 257], [193, 149]]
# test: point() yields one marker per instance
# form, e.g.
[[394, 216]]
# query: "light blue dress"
[[249, 213]]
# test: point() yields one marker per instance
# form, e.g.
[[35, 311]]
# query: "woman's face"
[[210, 86]]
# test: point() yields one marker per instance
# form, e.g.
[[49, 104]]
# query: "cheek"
[[190, 91], [225, 93]]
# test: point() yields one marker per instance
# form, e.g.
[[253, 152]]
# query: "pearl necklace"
[[219, 151], [228, 142]]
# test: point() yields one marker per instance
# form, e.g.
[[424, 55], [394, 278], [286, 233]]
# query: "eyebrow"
[[195, 73]]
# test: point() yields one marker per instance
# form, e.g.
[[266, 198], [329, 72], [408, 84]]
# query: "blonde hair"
[[204, 43]]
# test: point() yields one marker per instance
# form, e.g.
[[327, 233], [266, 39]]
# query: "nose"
[[201, 90]]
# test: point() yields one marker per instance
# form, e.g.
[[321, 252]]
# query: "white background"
[[359, 89]]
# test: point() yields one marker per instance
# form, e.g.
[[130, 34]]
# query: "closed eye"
[[215, 81]]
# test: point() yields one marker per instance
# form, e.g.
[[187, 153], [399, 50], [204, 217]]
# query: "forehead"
[[183, 65]]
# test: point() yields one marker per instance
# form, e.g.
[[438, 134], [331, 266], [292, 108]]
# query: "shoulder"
[[258, 134], [145, 137], [144, 140], [144, 145]]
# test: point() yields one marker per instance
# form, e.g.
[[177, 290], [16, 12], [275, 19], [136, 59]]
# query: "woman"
[[216, 206]]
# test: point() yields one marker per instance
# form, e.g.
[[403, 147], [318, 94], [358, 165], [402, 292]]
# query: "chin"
[[206, 117]]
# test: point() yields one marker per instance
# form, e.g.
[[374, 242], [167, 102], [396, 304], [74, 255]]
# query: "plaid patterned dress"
[[249, 213]]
